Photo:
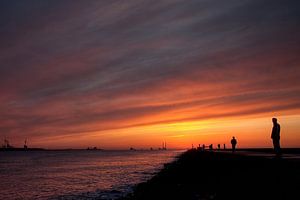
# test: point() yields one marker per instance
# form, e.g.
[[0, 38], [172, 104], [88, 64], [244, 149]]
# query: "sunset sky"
[[117, 74]]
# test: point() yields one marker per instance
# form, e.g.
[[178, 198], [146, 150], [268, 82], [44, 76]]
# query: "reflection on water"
[[77, 173]]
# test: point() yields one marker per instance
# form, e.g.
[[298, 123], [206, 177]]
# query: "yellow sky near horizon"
[[250, 132]]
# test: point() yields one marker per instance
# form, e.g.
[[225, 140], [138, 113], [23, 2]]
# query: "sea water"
[[77, 174]]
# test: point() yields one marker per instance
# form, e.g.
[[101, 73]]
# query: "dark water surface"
[[76, 174]]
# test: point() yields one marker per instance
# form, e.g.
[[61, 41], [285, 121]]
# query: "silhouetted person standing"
[[276, 136], [233, 143]]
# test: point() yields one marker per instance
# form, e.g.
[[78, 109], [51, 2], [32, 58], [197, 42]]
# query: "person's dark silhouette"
[[199, 147], [276, 137], [224, 145], [219, 146], [233, 143], [211, 147]]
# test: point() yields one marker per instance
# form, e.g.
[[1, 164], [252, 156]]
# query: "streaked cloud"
[[71, 67]]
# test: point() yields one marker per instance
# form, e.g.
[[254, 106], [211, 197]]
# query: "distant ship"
[[94, 148], [132, 149]]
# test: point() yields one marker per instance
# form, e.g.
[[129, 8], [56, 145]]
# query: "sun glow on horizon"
[[251, 132]]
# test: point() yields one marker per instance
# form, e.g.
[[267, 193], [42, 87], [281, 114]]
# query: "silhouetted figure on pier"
[[224, 145], [199, 147], [219, 146], [233, 143], [203, 147], [211, 147], [276, 137]]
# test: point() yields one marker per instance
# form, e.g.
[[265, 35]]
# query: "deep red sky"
[[116, 74]]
